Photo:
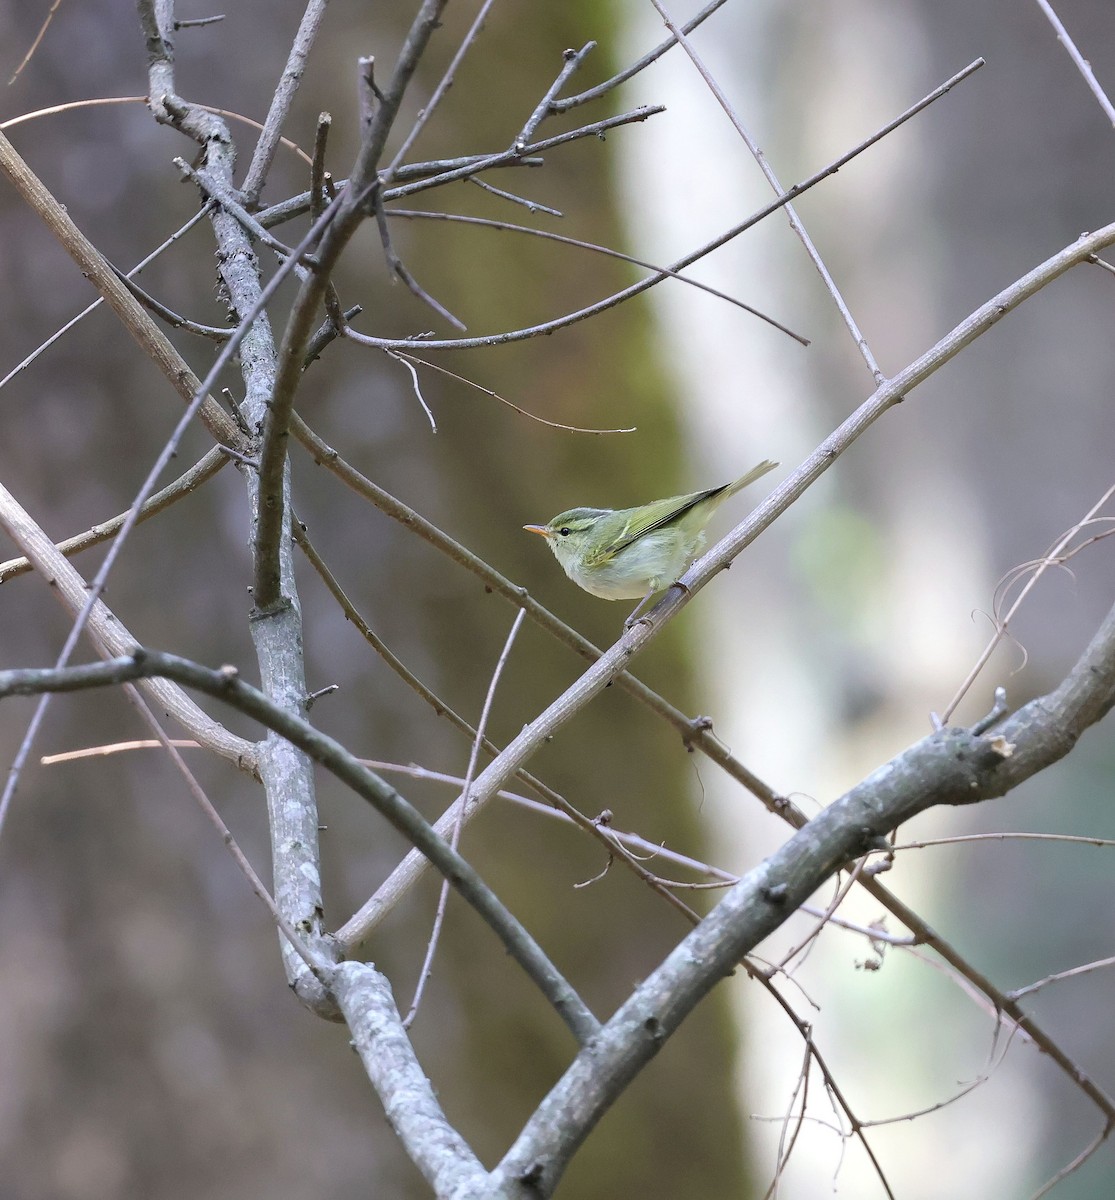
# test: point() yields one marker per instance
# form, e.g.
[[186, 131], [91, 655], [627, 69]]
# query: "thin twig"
[[1072, 972], [1005, 836], [782, 1157], [409, 358], [213, 333], [1052, 557], [281, 101], [455, 841], [398, 267], [406, 362], [629, 72], [35, 44], [1082, 64], [548, 327], [532, 205], [573, 60], [506, 226], [438, 94], [226, 113], [198, 216], [1069, 1168], [198, 22]]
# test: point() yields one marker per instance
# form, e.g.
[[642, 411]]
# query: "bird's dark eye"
[[565, 531]]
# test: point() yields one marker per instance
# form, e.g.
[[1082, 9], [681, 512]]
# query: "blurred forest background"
[[149, 1046]]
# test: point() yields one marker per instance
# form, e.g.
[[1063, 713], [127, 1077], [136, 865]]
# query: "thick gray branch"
[[951, 766], [276, 626], [378, 1036]]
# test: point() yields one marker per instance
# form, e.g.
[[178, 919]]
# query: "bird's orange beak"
[[539, 529]]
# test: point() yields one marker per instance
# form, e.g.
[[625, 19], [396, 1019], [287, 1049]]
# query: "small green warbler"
[[631, 553]]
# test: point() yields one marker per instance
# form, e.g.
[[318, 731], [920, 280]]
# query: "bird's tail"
[[755, 473]]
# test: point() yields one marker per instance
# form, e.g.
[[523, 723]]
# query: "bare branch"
[[409, 365], [55, 4], [950, 766], [1077, 1162], [1082, 64], [614, 662], [455, 841], [282, 99], [409, 1101], [548, 327], [573, 61], [601, 89], [110, 637], [444, 84], [100, 272], [185, 485], [227, 686], [1071, 973], [532, 205]]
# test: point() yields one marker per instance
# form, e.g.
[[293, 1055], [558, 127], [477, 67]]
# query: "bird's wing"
[[641, 523]]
